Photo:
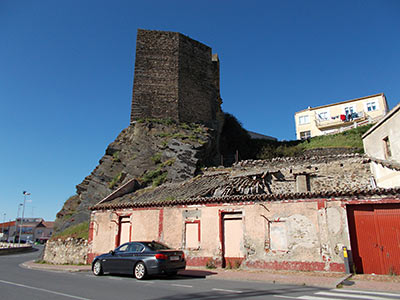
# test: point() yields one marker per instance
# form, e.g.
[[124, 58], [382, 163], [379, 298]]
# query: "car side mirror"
[[112, 252]]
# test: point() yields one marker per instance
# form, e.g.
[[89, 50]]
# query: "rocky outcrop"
[[153, 152]]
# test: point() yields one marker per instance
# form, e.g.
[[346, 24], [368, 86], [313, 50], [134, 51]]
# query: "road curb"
[[54, 268]]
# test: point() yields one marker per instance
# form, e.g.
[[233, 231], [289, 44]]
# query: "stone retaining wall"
[[69, 251]]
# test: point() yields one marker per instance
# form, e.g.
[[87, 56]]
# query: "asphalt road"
[[19, 283]]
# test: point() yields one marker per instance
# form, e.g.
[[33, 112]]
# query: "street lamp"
[[25, 193], [16, 223], [4, 220]]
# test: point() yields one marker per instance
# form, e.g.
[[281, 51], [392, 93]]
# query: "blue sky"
[[66, 74]]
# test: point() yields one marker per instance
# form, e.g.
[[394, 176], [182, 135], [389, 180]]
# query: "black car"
[[140, 259]]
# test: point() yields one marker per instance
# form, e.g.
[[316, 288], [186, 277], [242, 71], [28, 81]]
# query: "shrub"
[[115, 180], [156, 177], [116, 157], [210, 264], [156, 158]]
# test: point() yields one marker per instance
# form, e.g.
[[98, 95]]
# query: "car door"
[[114, 262], [127, 258], [133, 255]]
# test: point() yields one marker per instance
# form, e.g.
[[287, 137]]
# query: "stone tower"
[[175, 77]]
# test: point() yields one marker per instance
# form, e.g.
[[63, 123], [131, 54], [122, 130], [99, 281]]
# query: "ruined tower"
[[175, 77]]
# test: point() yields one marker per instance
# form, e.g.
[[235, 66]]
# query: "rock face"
[[153, 152]]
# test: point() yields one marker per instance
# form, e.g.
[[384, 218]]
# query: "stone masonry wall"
[[69, 251], [155, 86], [175, 77], [197, 87], [326, 173]]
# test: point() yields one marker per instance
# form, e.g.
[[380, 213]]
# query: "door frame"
[[119, 223], [222, 213]]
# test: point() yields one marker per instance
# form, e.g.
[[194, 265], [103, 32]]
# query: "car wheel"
[[97, 268], [140, 271]]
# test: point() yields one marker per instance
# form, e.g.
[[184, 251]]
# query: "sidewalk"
[[320, 279]]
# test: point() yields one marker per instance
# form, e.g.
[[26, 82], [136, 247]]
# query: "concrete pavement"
[[318, 279]]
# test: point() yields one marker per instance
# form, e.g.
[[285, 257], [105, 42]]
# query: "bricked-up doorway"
[[232, 239], [124, 233], [375, 237]]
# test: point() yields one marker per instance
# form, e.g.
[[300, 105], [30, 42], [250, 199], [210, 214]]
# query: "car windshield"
[[154, 246]]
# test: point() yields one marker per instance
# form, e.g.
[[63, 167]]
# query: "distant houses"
[[31, 229]]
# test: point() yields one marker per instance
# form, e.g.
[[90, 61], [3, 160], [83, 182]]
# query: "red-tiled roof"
[[7, 224], [48, 224], [254, 198]]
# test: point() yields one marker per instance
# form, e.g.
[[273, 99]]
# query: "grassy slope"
[[77, 231], [348, 139]]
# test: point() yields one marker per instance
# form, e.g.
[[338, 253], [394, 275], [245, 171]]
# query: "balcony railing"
[[341, 120]]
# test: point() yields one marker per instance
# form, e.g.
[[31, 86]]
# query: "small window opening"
[[386, 144]]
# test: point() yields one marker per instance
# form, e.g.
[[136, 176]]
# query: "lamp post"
[[25, 193], [4, 220], [16, 223]]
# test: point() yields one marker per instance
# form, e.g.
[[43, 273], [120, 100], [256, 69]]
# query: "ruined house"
[[293, 214]]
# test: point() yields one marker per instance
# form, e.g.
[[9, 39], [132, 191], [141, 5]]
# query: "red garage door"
[[375, 237]]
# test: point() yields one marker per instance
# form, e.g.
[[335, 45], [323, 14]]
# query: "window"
[[305, 134], [123, 248], [155, 246], [348, 110], [304, 120], [278, 236], [371, 106], [323, 116], [135, 247], [192, 234], [386, 145]]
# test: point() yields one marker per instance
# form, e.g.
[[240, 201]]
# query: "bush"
[[115, 180], [156, 177], [210, 264], [116, 157], [156, 158]]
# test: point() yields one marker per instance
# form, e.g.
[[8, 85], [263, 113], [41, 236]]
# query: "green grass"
[[168, 162], [116, 157], [115, 180], [155, 177], [348, 139], [156, 158], [80, 231], [159, 179]]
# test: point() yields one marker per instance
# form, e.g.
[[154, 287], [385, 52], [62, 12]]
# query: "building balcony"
[[341, 120]]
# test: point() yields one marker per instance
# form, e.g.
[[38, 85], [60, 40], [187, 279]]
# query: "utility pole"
[[25, 193]]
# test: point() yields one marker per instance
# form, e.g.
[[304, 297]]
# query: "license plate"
[[174, 257]]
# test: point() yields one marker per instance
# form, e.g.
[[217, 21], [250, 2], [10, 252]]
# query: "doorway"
[[124, 232], [232, 239], [375, 238]]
